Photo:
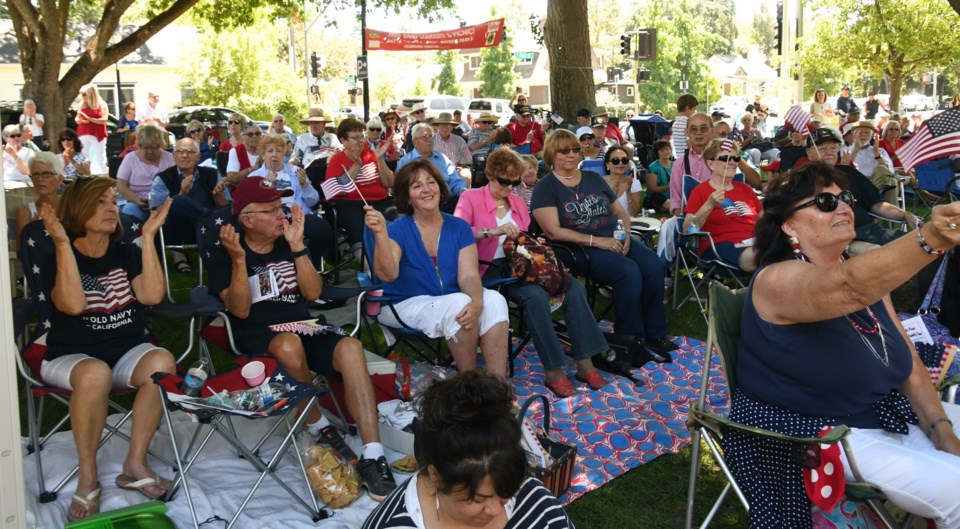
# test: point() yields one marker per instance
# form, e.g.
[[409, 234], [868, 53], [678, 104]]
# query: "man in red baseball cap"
[[267, 249]]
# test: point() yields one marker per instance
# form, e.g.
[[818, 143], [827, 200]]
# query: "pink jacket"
[[477, 207]]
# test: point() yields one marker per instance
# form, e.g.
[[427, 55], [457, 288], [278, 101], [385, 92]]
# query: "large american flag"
[[938, 137], [336, 186], [368, 173], [107, 293], [798, 119]]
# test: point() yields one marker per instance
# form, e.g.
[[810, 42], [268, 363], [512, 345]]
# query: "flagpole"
[[346, 171]]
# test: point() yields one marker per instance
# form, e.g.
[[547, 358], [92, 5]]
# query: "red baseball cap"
[[256, 190]]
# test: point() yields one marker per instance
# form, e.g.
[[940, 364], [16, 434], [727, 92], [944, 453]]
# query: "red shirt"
[[613, 133], [518, 134], [892, 150], [731, 223], [92, 129], [368, 179]]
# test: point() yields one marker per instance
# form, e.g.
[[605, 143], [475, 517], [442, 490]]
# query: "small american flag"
[[727, 145], [798, 119], [368, 173], [336, 186], [107, 293], [938, 137]]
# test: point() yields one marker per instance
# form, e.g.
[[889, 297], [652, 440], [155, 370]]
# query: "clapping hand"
[[157, 218], [293, 229], [230, 240]]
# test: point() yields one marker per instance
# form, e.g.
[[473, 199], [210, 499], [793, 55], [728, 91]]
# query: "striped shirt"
[[454, 148], [533, 507]]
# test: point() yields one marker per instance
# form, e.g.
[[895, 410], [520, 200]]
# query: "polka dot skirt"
[[769, 471]]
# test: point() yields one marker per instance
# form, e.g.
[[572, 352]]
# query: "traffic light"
[[779, 29], [618, 74], [314, 64], [609, 75], [643, 76], [625, 45]]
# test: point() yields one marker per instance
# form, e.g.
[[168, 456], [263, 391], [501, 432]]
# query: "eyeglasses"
[[575, 150], [196, 131], [235, 122], [506, 183], [13, 135], [355, 137], [620, 161], [185, 151], [430, 137], [726, 159], [373, 129], [256, 134], [272, 212], [586, 137], [702, 130], [827, 202], [44, 175]]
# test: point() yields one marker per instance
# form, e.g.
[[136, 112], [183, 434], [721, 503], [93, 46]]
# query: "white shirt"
[[233, 163], [309, 148], [865, 160], [31, 121], [145, 112], [678, 136], [11, 172]]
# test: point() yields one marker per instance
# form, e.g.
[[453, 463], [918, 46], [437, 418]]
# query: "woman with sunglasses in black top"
[[724, 208], [820, 346], [621, 179]]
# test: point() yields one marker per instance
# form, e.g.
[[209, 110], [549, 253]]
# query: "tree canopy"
[[892, 39], [446, 81]]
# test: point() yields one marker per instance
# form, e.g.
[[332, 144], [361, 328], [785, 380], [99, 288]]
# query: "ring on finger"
[[952, 224]]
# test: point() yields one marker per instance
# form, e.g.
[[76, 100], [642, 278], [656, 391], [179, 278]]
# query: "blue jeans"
[[637, 283], [135, 211], [581, 325]]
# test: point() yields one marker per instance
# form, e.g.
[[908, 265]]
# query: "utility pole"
[[363, 51]]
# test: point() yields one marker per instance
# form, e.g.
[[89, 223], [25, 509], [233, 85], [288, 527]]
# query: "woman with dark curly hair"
[[836, 353], [473, 468]]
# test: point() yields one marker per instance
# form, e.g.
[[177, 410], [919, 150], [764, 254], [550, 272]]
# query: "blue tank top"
[[822, 368]]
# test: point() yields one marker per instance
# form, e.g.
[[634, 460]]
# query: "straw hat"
[[445, 118], [486, 117], [315, 115]]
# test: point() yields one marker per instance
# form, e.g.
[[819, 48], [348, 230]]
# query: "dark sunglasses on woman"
[[620, 161], [506, 183], [828, 202]]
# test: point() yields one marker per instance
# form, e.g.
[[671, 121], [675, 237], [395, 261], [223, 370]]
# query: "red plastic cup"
[[373, 306]]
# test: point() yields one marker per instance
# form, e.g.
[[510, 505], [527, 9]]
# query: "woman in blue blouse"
[[428, 260]]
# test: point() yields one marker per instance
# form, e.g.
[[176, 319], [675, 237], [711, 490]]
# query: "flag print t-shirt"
[[731, 221], [112, 323], [584, 208], [288, 305]]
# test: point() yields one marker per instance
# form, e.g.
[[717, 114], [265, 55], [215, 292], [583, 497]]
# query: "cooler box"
[[383, 374]]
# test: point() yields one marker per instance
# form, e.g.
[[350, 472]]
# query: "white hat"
[[584, 130]]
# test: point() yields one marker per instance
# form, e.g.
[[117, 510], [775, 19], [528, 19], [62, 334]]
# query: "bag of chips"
[[333, 480]]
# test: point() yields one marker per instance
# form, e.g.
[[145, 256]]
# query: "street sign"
[[361, 67], [351, 81]]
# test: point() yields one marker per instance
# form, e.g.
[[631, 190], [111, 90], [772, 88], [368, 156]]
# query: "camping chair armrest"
[[715, 422], [949, 381], [885, 219]]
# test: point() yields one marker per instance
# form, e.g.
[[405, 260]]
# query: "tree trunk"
[[955, 4], [895, 73], [566, 34]]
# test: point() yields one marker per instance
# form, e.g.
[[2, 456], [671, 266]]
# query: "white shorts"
[[912, 473], [436, 316], [56, 372]]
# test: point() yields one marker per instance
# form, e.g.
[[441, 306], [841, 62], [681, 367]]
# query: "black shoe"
[[376, 477], [629, 348], [331, 437], [662, 347]]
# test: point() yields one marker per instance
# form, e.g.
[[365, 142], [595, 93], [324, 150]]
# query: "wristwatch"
[[485, 232]]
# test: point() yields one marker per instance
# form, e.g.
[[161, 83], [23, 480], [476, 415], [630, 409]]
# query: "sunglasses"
[[586, 137], [506, 183], [195, 131], [828, 202], [575, 150], [726, 159], [374, 129], [253, 134], [235, 122], [620, 161]]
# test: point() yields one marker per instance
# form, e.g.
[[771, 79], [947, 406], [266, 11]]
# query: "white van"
[[435, 104], [499, 107]]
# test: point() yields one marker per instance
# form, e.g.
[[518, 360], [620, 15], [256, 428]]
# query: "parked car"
[[349, 112], [211, 117], [730, 105], [917, 103], [435, 104], [499, 107]]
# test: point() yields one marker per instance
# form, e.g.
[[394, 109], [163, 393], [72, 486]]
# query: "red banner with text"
[[479, 36]]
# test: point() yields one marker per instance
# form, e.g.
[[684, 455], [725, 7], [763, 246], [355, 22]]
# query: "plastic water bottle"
[[620, 234], [694, 227], [195, 377]]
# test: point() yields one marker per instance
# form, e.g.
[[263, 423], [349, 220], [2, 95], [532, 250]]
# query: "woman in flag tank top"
[[97, 287], [355, 175]]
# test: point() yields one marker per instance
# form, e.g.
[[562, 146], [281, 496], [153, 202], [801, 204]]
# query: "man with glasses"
[[526, 131], [270, 249], [194, 189], [697, 134], [423, 147], [16, 157], [825, 146], [245, 157]]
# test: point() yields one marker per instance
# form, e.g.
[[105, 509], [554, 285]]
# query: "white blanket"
[[219, 481]]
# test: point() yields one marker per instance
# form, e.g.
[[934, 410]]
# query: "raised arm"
[[307, 277], [150, 285], [852, 284], [67, 293], [236, 297]]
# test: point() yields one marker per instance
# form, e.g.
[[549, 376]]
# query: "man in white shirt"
[[316, 146], [871, 160], [152, 112]]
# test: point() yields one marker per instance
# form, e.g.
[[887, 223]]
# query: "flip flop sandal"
[[183, 267], [125, 482], [89, 503]]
